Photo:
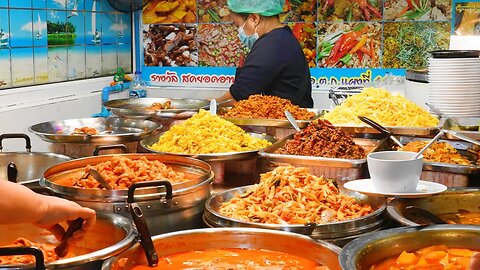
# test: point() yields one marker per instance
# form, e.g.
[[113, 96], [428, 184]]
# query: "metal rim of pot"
[[368, 245], [343, 229], [121, 195], [102, 254], [244, 232], [13, 171], [394, 205]]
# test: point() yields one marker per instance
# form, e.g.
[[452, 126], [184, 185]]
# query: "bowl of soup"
[[428, 247]]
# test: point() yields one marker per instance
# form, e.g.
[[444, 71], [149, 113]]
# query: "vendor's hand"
[[57, 210], [475, 261]]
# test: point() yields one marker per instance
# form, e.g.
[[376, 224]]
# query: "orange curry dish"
[[260, 106], [121, 172], [157, 106], [439, 257], [47, 249], [234, 258]]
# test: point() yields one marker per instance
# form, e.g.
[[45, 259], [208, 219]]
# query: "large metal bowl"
[[184, 211], [447, 202], [184, 241], [110, 235], [336, 232], [138, 108], [365, 251], [111, 130]]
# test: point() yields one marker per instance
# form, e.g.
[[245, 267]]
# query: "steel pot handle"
[[139, 220], [28, 144], [39, 260], [109, 147], [12, 172]]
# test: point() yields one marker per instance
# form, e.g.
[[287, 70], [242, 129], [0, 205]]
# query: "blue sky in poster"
[[21, 3], [3, 3], [39, 3], [79, 22], [108, 33], [93, 5], [40, 27], [21, 28], [75, 5]]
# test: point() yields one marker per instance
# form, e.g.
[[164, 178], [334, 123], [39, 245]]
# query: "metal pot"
[[363, 252], [25, 167], [183, 211], [335, 232], [190, 240], [447, 202], [111, 235]]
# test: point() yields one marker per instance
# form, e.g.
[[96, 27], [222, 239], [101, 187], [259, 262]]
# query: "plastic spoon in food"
[[62, 249], [292, 121], [95, 174], [418, 213], [439, 134], [380, 128], [213, 106]]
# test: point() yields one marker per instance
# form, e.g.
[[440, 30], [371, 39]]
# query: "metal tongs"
[[380, 128]]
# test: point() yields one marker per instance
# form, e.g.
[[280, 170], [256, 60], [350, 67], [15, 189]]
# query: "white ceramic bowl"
[[395, 171]]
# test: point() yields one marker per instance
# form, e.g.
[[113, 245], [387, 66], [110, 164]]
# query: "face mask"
[[247, 41]]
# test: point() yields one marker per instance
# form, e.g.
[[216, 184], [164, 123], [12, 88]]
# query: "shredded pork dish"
[[322, 139], [264, 106], [290, 195], [121, 172]]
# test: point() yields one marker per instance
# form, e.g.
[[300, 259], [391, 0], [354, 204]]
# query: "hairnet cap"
[[262, 7]]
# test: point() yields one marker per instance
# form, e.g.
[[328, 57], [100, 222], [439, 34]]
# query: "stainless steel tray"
[[460, 146], [138, 108], [469, 127], [266, 122], [146, 142], [369, 142], [111, 130], [371, 222], [416, 131]]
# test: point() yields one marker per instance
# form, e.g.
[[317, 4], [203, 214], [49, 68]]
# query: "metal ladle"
[[380, 128], [292, 120], [418, 213], [95, 174]]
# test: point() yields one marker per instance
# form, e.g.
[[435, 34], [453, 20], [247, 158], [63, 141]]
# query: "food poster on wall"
[[346, 42], [466, 18]]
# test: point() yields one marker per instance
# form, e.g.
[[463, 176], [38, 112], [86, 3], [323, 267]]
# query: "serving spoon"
[[292, 121], [62, 249], [417, 213], [95, 174]]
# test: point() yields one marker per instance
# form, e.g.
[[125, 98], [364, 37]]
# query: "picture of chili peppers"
[[418, 10], [306, 34], [354, 45], [219, 46], [170, 45], [407, 44], [350, 10], [299, 11], [213, 11]]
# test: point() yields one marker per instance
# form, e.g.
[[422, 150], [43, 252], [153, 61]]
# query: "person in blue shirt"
[[276, 64]]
